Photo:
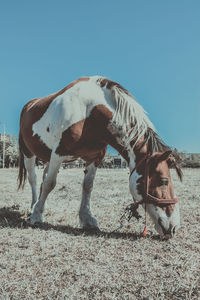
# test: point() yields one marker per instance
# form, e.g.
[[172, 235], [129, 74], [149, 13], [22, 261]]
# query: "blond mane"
[[129, 120]]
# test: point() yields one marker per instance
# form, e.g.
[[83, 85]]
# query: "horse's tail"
[[22, 170]]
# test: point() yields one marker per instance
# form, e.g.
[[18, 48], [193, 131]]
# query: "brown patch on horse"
[[31, 113], [88, 138]]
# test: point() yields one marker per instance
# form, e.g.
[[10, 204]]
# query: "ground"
[[57, 260]]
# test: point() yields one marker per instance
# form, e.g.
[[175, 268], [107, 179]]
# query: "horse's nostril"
[[167, 231]]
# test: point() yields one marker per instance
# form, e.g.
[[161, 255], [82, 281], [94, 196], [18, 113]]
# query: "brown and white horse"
[[80, 121]]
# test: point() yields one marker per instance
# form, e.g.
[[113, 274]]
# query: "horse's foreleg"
[[30, 167], [85, 215], [49, 182]]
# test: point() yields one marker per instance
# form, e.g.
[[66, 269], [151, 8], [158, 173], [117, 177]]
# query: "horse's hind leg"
[[47, 186], [86, 219], [30, 167]]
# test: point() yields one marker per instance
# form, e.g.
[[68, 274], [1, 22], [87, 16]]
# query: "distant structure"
[[9, 156], [108, 161], [113, 161], [190, 160], [79, 163]]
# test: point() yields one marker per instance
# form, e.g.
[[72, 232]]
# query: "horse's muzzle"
[[167, 232]]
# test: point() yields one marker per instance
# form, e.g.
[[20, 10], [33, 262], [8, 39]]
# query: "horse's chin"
[[161, 234], [166, 236]]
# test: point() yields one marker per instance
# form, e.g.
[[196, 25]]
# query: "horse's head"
[[155, 191]]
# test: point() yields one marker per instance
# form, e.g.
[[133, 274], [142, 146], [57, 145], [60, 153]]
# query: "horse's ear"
[[173, 164], [158, 157], [164, 156]]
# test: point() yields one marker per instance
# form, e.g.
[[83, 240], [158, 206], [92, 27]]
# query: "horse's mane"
[[129, 118], [155, 143], [131, 123]]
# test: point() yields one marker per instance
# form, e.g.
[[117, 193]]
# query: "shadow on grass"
[[11, 217]]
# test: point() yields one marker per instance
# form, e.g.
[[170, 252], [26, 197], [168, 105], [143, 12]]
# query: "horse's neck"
[[132, 156]]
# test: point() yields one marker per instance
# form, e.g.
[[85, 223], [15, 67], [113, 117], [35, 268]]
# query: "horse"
[[80, 121]]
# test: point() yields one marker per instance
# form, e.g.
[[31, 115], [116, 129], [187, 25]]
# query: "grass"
[[57, 260]]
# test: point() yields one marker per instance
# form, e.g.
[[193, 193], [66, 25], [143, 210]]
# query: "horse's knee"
[[49, 184], [52, 184], [32, 178], [87, 185]]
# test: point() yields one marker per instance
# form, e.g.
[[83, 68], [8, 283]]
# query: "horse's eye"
[[164, 181]]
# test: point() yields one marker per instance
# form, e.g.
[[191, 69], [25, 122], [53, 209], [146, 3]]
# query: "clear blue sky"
[[151, 47]]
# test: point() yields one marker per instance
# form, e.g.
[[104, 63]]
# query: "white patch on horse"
[[133, 178]]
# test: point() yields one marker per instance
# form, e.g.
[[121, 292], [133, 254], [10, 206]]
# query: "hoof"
[[34, 219]]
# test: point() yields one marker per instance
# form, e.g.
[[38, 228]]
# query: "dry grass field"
[[57, 260]]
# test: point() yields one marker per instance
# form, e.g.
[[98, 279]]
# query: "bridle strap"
[[138, 164], [154, 200]]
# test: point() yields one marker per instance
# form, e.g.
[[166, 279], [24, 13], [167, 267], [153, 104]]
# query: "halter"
[[148, 198]]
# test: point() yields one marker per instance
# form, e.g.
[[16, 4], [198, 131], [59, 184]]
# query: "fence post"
[[4, 146]]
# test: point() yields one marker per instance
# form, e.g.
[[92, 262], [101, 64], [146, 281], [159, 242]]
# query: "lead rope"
[[130, 211], [144, 233]]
